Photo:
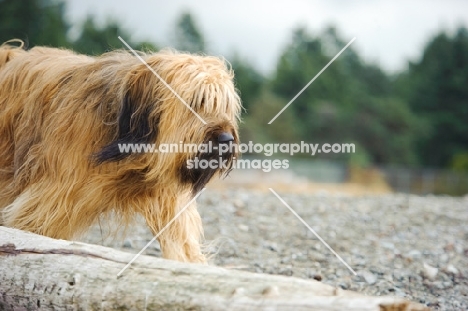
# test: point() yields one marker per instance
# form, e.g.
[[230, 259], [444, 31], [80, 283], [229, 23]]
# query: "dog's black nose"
[[225, 137]]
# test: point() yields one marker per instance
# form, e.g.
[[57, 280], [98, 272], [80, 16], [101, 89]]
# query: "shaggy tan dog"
[[63, 116]]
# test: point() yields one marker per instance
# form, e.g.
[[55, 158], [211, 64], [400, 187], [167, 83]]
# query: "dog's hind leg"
[[7, 151], [6, 198], [23, 214], [51, 209]]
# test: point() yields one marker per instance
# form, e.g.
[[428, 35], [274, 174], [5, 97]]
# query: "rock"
[[243, 227], [437, 285], [272, 246], [450, 247], [230, 208], [239, 204], [387, 245], [443, 258], [414, 254], [430, 272], [316, 276], [343, 285], [127, 244], [447, 284], [368, 276], [451, 269], [287, 270]]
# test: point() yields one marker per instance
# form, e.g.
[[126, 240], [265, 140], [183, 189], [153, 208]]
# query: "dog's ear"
[[137, 121]]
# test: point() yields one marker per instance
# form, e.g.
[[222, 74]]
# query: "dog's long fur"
[[62, 116]]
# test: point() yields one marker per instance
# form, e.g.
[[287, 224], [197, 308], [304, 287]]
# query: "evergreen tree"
[[351, 101], [436, 88], [36, 22], [248, 80], [188, 37]]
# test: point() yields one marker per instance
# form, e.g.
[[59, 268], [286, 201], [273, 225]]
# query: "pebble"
[[343, 285], [451, 269], [368, 276], [317, 277], [388, 245], [230, 208], [239, 204], [127, 243], [430, 272], [243, 227], [437, 285], [271, 246], [414, 254]]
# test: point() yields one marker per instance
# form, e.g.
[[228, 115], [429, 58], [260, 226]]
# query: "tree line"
[[417, 117]]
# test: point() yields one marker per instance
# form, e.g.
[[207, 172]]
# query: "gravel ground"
[[402, 245]]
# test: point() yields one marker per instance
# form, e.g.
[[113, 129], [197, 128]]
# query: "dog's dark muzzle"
[[221, 155], [225, 137]]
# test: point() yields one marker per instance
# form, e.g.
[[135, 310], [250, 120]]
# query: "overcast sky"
[[388, 32]]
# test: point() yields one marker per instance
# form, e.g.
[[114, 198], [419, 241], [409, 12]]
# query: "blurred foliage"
[[36, 22], [249, 81], [418, 117], [188, 37], [460, 162], [42, 22], [255, 125], [350, 102], [96, 40], [436, 88]]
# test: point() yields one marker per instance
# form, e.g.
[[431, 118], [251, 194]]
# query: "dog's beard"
[[199, 177]]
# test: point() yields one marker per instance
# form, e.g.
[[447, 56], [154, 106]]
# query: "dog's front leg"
[[179, 234]]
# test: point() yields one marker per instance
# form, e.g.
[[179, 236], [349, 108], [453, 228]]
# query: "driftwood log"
[[40, 273]]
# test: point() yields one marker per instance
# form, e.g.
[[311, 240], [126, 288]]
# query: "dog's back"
[[28, 79]]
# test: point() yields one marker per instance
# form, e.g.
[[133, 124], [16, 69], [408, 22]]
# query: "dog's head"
[[184, 100]]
